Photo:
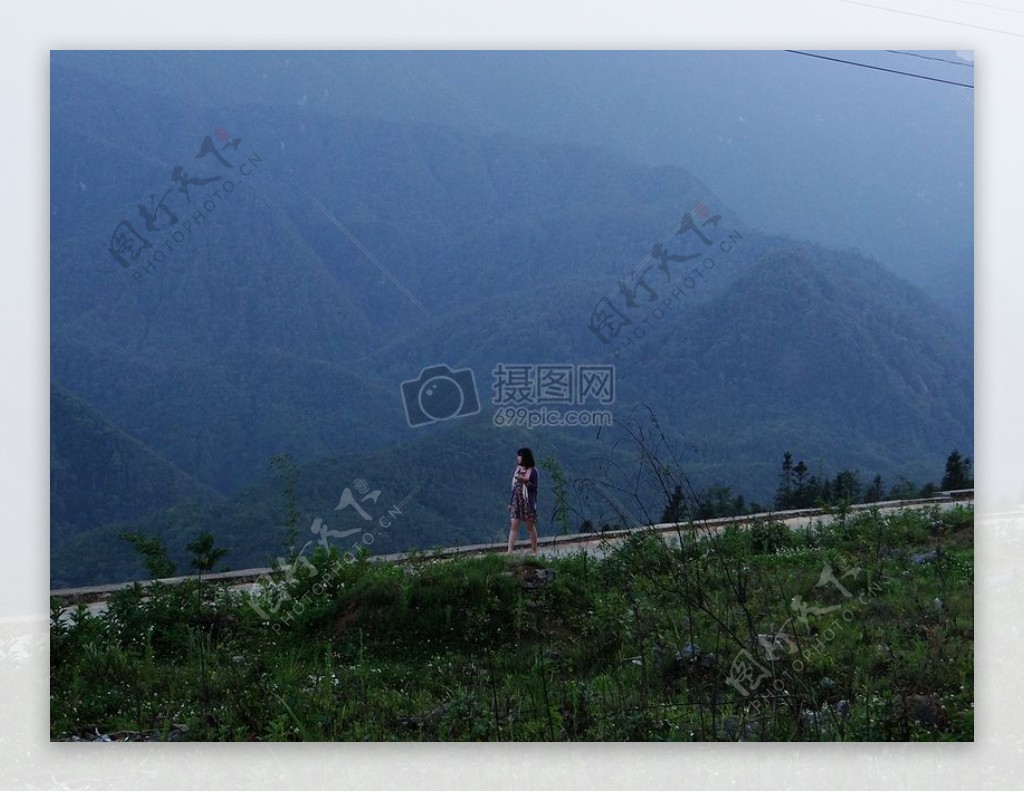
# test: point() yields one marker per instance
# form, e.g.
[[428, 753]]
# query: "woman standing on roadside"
[[522, 503]]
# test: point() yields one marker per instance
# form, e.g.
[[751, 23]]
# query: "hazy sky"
[[843, 155]]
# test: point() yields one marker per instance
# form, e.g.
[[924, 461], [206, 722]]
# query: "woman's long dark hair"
[[527, 456]]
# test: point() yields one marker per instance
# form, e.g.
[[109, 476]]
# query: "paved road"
[[596, 545], [599, 546]]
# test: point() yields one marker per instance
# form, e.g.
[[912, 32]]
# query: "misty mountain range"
[[358, 246]]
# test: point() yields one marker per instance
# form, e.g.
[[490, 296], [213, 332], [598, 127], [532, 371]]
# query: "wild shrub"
[[770, 537]]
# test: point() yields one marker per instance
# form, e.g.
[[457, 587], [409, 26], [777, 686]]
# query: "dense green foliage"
[[99, 475], [854, 636], [958, 472], [154, 554], [798, 489]]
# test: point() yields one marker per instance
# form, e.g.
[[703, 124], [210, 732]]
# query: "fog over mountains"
[[252, 252]]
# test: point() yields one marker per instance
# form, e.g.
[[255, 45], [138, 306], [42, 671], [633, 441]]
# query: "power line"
[[935, 19], [931, 57], [989, 5], [881, 68]]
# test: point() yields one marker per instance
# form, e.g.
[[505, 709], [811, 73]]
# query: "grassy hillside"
[[849, 631]]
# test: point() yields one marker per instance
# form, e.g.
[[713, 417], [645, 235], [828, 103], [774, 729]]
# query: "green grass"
[[852, 640]]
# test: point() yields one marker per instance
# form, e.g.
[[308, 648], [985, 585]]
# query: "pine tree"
[[802, 497], [876, 491], [784, 494], [958, 472], [675, 509], [846, 486]]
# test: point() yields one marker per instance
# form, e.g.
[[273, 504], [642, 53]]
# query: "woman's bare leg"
[[513, 534], [531, 529]]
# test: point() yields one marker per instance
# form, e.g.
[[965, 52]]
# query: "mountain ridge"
[[278, 327]]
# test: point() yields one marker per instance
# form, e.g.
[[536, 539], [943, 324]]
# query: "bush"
[[770, 537]]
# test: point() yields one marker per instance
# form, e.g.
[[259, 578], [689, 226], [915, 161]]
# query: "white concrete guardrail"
[[549, 545]]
